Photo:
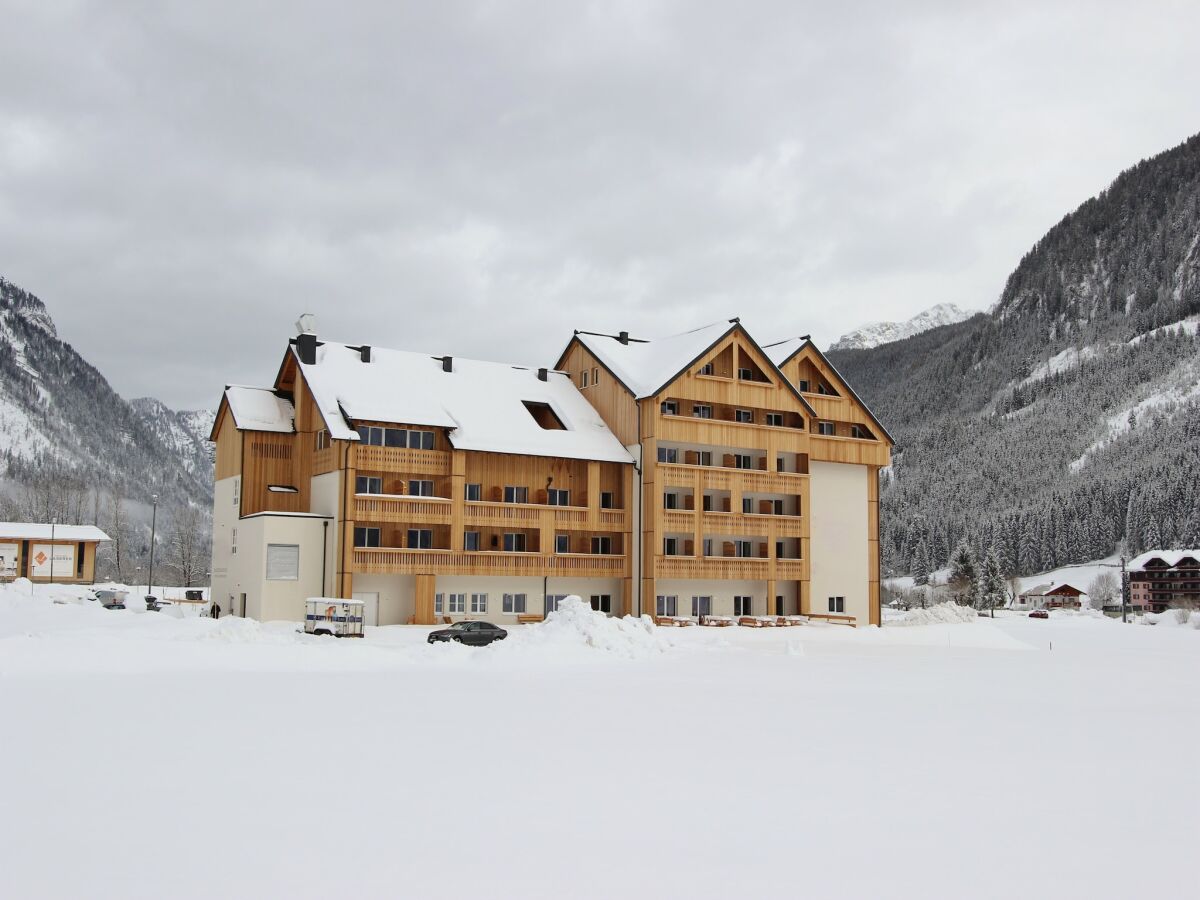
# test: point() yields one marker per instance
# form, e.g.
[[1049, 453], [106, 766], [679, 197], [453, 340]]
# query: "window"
[[708, 503], [558, 497], [747, 505], [562, 543], [670, 501], [439, 603], [237, 491], [708, 547], [670, 546], [775, 419], [608, 500], [704, 458], [821, 389], [366, 537], [514, 494], [741, 606], [583, 379], [471, 540], [426, 439], [322, 439], [602, 603], [395, 437], [420, 538], [668, 455], [837, 604], [368, 484], [602, 545], [552, 601], [514, 604], [544, 415], [595, 376], [779, 554], [706, 369], [743, 415], [282, 489], [474, 491], [803, 385], [283, 562], [458, 603], [514, 542], [825, 428], [370, 435], [666, 605], [701, 606], [742, 549], [745, 375], [701, 411], [420, 488], [743, 461], [857, 431], [670, 407]]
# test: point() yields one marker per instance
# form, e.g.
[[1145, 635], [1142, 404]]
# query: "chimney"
[[543, 375], [364, 353], [623, 337], [447, 363], [306, 347]]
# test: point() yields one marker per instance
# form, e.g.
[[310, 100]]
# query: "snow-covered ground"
[[151, 756]]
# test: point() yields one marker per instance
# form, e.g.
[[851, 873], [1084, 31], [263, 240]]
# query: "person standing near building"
[[215, 612]]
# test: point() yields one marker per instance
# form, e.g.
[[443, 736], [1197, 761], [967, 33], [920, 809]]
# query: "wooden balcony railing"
[[722, 478], [532, 515], [399, 459], [393, 561], [730, 567], [390, 508]]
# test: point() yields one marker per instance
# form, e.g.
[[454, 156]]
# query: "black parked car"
[[478, 634]]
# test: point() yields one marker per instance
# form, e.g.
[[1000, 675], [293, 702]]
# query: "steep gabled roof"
[[782, 352], [483, 405], [256, 409], [1171, 558], [646, 367]]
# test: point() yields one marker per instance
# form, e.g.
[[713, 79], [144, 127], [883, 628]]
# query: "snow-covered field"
[[150, 756]]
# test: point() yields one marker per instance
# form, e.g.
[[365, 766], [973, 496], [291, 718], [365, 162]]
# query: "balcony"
[[529, 515], [394, 561], [401, 509], [723, 478], [401, 459]]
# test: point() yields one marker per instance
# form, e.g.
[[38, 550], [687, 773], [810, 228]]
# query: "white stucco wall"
[[722, 593], [224, 564], [838, 519], [496, 588]]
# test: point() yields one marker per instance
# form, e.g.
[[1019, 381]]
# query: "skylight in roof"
[[544, 415]]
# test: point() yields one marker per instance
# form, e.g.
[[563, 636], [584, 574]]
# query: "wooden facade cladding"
[[391, 561], [611, 399]]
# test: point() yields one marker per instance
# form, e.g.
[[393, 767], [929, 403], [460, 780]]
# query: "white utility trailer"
[[335, 616]]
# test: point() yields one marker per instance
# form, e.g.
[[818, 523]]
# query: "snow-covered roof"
[[647, 366], [1043, 590], [481, 403], [260, 409], [36, 531], [1171, 557], [781, 351]]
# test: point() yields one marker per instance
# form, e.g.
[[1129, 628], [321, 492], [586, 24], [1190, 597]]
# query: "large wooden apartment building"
[[701, 474]]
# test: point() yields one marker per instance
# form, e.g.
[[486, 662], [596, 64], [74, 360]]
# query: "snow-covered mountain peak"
[[885, 332], [19, 303]]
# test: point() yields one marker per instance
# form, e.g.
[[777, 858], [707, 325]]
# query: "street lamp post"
[[53, 525], [153, 525]]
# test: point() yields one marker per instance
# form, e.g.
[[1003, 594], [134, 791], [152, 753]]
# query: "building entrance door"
[[370, 602]]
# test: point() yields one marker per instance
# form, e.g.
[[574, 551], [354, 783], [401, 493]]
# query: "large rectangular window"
[[420, 488], [562, 543], [368, 484], [602, 545], [607, 500], [743, 415], [743, 549], [741, 605], [558, 497], [458, 603], [514, 542], [471, 540], [743, 461], [474, 491], [514, 604], [775, 419], [395, 437], [701, 606], [515, 494], [283, 562], [670, 408], [479, 603], [666, 605], [670, 546], [837, 604], [702, 411], [420, 538], [668, 455], [670, 501], [602, 603], [366, 537]]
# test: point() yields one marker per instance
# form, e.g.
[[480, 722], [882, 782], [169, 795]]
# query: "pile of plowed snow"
[[575, 625], [1172, 618], [942, 614]]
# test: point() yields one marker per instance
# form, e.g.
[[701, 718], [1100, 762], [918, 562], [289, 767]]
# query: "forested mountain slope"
[[61, 423], [1066, 421]]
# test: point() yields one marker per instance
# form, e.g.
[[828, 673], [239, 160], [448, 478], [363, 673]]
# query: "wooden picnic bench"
[[836, 620], [529, 618]]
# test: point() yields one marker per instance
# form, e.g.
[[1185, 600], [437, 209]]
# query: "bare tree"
[[117, 551], [1104, 590], [187, 546]]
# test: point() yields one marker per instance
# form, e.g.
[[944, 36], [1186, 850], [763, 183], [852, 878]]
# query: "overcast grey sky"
[[178, 181]]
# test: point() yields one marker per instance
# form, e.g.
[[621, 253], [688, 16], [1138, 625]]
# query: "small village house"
[[65, 554]]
